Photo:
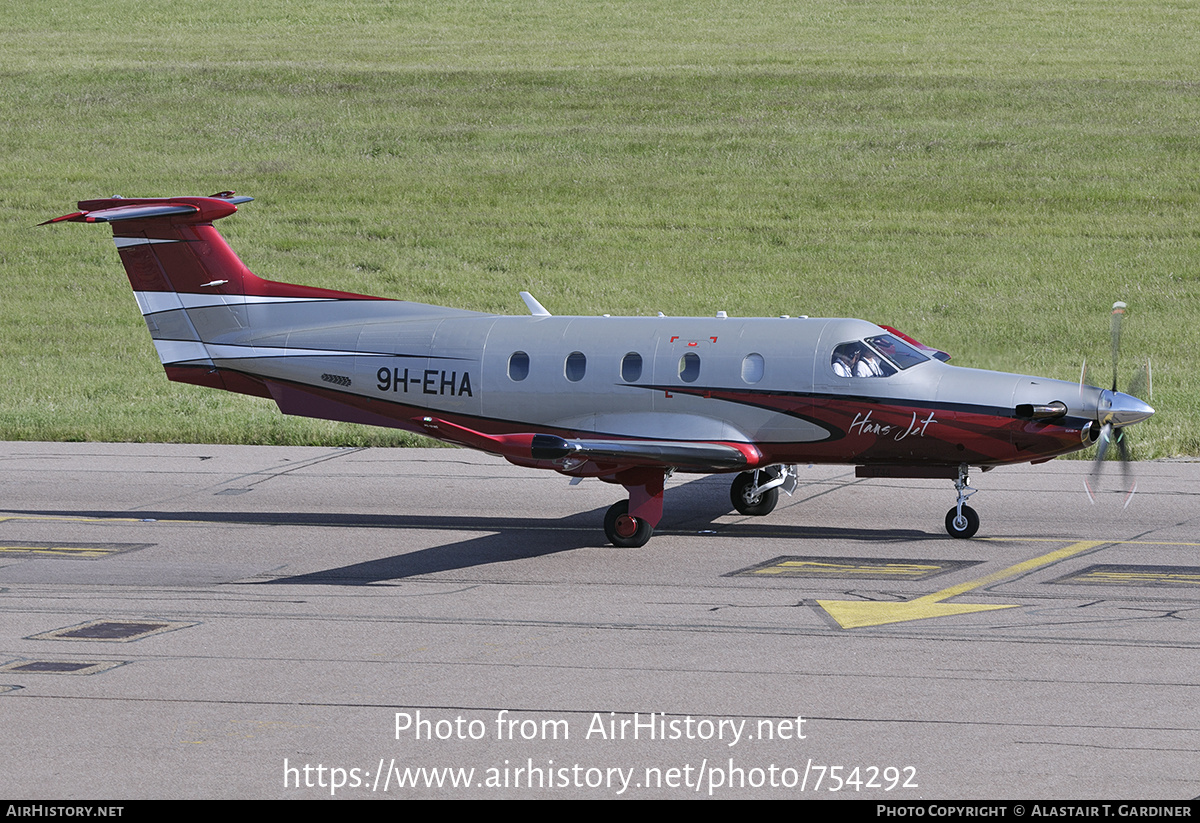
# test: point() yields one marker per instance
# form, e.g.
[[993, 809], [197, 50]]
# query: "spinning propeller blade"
[[1123, 409], [1118, 314], [1142, 384]]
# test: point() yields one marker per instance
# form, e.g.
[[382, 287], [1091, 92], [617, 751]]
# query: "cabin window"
[[631, 367], [752, 368], [575, 366], [518, 366], [689, 367]]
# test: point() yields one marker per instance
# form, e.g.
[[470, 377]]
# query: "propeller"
[[1117, 410]]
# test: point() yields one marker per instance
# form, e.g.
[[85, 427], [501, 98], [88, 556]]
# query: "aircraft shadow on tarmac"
[[508, 545], [507, 538]]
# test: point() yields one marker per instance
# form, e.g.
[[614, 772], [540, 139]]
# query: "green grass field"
[[988, 177]]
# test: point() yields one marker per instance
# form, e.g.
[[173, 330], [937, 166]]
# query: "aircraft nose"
[[1125, 409]]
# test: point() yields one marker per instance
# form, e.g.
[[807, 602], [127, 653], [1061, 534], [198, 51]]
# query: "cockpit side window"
[[857, 359]]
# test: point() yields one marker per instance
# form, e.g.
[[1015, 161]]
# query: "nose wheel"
[[623, 529], [962, 521], [962, 525]]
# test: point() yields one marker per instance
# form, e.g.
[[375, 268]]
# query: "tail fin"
[[178, 264], [169, 244]]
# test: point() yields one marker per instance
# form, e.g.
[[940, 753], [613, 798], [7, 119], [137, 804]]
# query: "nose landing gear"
[[962, 521]]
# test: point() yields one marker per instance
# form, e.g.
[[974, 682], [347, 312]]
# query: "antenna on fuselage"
[[535, 308]]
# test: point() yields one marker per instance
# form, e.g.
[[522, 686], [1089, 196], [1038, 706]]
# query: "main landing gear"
[[962, 521], [755, 493], [623, 530], [628, 524]]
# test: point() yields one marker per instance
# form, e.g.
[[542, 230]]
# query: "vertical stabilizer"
[[192, 289], [169, 244]]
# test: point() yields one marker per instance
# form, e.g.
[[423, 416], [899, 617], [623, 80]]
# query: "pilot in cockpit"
[[857, 360]]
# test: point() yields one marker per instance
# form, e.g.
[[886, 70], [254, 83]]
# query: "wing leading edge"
[[673, 453], [664, 454]]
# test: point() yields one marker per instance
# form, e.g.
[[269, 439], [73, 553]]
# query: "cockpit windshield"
[[878, 356], [896, 350]]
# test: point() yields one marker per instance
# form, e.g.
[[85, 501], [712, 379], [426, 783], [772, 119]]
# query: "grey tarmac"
[[338, 622]]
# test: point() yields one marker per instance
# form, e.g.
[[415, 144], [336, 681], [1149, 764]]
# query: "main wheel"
[[752, 505], [964, 526], [624, 530]]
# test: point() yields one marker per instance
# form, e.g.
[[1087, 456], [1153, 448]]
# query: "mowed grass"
[[988, 177]]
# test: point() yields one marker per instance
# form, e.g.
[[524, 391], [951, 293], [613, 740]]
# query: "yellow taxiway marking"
[[87, 552], [1137, 577], [855, 614], [1114, 542], [812, 568]]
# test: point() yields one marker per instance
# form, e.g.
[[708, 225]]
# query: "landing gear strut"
[[962, 521]]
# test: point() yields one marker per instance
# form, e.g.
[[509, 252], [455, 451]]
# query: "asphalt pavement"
[[271, 622]]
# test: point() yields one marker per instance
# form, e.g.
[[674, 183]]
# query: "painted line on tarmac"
[[1113, 542], [85, 551], [884, 568], [856, 614], [1125, 574]]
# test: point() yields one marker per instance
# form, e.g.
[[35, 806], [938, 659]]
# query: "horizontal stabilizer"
[[126, 213], [119, 209]]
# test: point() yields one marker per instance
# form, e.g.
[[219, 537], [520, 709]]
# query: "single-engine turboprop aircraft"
[[626, 399]]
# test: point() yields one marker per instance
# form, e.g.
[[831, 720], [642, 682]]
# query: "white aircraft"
[[626, 399]]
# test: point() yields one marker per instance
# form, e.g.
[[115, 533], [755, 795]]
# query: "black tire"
[[751, 505], [623, 530], [962, 530]]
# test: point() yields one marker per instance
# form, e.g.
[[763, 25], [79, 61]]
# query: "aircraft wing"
[[658, 452], [549, 447]]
